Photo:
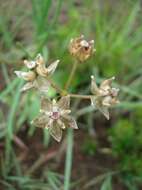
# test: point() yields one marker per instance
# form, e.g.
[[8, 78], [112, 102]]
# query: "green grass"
[[116, 29]]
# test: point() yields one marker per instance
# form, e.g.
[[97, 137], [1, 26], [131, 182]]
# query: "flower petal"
[[64, 103], [46, 104], [106, 84], [52, 67], [107, 101], [42, 84], [41, 120], [42, 70], [56, 131], [40, 60], [93, 100], [61, 124], [27, 86], [28, 76], [104, 111], [30, 64], [70, 121], [94, 87]]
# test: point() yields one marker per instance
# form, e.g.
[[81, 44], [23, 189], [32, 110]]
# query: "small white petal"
[[29, 76], [54, 102], [82, 36], [84, 43], [92, 42], [71, 40], [52, 67], [20, 74], [30, 64]]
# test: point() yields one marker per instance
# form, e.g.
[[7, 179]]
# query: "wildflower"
[[104, 96], [37, 75], [81, 49], [55, 116]]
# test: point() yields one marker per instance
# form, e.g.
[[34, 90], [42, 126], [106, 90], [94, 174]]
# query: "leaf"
[[107, 185]]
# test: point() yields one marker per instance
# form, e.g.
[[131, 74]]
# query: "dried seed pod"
[[81, 49], [55, 116], [44, 71], [28, 76], [37, 75], [104, 96]]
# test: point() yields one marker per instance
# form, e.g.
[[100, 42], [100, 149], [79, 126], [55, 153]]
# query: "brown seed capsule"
[[104, 96], [36, 77], [41, 68], [81, 49]]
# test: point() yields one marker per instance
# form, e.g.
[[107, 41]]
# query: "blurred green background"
[[101, 155]]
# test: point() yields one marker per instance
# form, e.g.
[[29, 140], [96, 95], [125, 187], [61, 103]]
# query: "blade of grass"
[[6, 34], [10, 123], [107, 183], [68, 163]]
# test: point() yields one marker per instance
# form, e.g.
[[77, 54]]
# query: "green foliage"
[[116, 29], [126, 146], [89, 147], [106, 185]]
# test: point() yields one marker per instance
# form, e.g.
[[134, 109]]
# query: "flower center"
[[84, 43], [55, 115]]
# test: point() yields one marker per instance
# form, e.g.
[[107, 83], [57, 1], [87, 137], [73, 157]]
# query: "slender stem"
[[80, 96], [85, 110], [68, 163], [71, 75], [58, 89]]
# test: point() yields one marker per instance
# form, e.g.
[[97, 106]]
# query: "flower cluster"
[[56, 115], [37, 75]]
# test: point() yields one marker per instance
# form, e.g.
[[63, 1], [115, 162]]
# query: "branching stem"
[[57, 88]]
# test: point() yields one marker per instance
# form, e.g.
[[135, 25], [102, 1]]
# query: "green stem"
[[71, 75], [68, 163], [59, 90], [80, 96]]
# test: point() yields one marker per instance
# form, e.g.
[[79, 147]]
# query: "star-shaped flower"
[[55, 116], [104, 96], [81, 49], [37, 75]]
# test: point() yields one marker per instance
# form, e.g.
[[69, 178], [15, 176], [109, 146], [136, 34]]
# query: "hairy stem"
[[71, 75]]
